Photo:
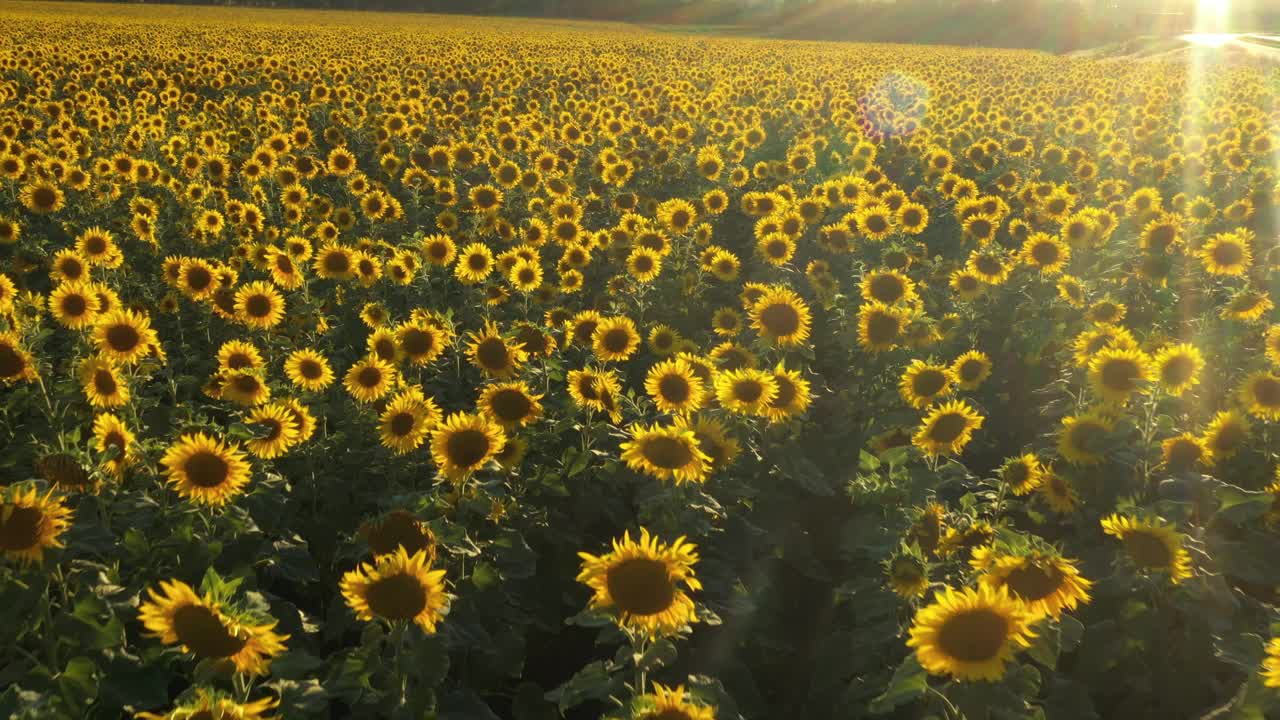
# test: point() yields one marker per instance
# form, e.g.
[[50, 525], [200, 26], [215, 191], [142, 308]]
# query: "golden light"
[[1213, 40]]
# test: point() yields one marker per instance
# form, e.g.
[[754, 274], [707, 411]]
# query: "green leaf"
[[908, 683], [1072, 631], [78, 682], [1046, 645], [659, 654], [295, 665], [592, 682]]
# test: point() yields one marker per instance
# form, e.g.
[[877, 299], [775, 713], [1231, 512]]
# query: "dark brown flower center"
[[667, 453], [123, 338], [258, 306], [975, 635], [928, 383], [492, 354], [369, 377], [510, 405], [1147, 550], [206, 469], [674, 389], [640, 586], [397, 597], [203, 632], [21, 529], [948, 428], [780, 319], [466, 448]]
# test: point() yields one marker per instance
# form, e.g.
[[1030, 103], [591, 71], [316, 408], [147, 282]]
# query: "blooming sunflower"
[[670, 704], [880, 327], [15, 362], [1226, 433], [1057, 491], [124, 336], [615, 339], [370, 379], [217, 705], [1182, 452], [512, 404], [113, 439], [279, 430], [792, 397], [714, 441], [1178, 367], [887, 287], [781, 317], [259, 305], [200, 625], [1046, 253], [674, 387], [923, 383], [1227, 254], [334, 262], [205, 470], [1247, 306], [644, 583], [1151, 545], [308, 370], [102, 384], [1116, 373], [970, 634], [74, 304], [464, 443], [399, 529], [971, 370], [1022, 474], [947, 428], [475, 262], [398, 586], [492, 354], [239, 355], [1260, 394], [1045, 583], [666, 453], [745, 391], [908, 575], [31, 523], [595, 389], [1081, 436]]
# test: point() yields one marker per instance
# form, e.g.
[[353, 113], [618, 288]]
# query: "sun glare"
[[1208, 39]]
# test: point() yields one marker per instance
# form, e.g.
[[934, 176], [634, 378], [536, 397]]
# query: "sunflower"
[[1261, 395], [114, 439], [205, 470], [420, 342], [1247, 306], [399, 529], [1116, 373], [615, 339], [493, 355], [670, 704], [197, 278], [215, 704], [398, 586], [15, 363], [201, 626], [908, 575], [1045, 253], [594, 389], [1091, 342], [334, 262], [124, 336], [279, 430], [512, 405], [1178, 367], [102, 384], [663, 340], [1022, 474], [1182, 452], [923, 383], [1070, 289], [1046, 584], [1226, 433], [781, 317], [1057, 491], [887, 287], [239, 355], [464, 443], [970, 634], [644, 583], [381, 343], [243, 387], [259, 305], [1271, 664], [880, 327], [1081, 436], [74, 304], [971, 370], [947, 428], [408, 418], [439, 250], [666, 453], [370, 379], [308, 370], [714, 441], [745, 391], [42, 197], [1227, 254], [31, 523], [1151, 545], [475, 262]]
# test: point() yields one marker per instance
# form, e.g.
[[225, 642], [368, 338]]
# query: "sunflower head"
[[398, 587], [31, 523], [1151, 545], [970, 634], [210, 627], [644, 583], [465, 443], [667, 453]]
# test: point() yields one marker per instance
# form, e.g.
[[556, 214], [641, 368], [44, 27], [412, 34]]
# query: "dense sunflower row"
[[390, 366]]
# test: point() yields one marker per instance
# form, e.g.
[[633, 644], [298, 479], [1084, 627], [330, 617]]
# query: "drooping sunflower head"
[[31, 523], [714, 440], [398, 586], [1151, 544], [205, 627], [644, 583], [666, 453], [464, 443], [970, 634], [671, 704], [205, 470], [399, 529], [907, 574], [216, 705], [947, 428]]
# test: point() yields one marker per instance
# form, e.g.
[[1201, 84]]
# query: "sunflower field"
[[406, 366]]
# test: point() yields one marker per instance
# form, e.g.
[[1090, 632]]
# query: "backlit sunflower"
[[1227, 254], [1260, 394], [113, 439], [713, 439], [670, 704], [1151, 545], [887, 287], [907, 574], [206, 628], [475, 262], [215, 705], [398, 586], [666, 453], [511, 404], [596, 389], [31, 523], [1022, 474], [308, 370], [970, 634], [205, 470], [1247, 305], [259, 305], [1046, 253], [745, 391], [1117, 373], [102, 384], [399, 529], [947, 428], [74, 304], [923, 383], [493, 354], [1177, 367], [971, 369], [277, 430], [1183, 452], [781, 317], [1271, 343], [1046, 584], [1081, 438], [464, 443], [645, 584], [1226, 433], [124, 336], [1057, 491]]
